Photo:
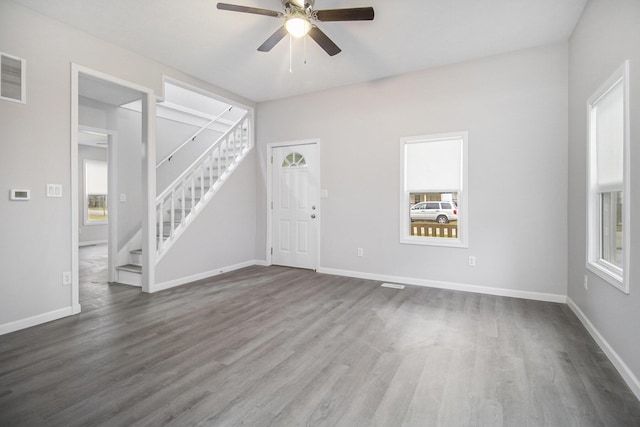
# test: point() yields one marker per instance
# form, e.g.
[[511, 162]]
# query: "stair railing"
[[193, 137], [198, 183]]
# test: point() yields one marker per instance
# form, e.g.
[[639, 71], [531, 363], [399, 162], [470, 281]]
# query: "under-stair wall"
[[222, 236]]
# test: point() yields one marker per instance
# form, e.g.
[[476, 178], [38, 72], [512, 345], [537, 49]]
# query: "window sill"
[[609, 276], [96, 223], [433, 241]]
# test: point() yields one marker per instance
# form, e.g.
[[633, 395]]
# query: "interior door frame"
[[148, 177], [270, 148]]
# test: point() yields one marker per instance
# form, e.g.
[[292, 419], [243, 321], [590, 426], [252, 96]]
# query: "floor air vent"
[[392, 285]]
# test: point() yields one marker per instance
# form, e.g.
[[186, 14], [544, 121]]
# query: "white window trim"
[[462, 240], [619, 278], [85, 195]]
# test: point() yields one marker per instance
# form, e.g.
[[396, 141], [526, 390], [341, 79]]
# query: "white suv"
[[441, 212]]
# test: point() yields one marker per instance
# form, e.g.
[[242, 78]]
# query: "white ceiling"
[[407, 35]]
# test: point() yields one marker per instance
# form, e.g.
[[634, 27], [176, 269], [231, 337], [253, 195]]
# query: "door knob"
[[313, 215]]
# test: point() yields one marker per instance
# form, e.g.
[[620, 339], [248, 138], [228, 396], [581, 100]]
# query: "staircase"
[[183, 200]]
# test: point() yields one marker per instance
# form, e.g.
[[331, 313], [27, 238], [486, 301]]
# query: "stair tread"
[[133, 268], [136, 251]]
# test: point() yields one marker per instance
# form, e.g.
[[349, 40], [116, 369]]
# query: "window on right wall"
[[608, 180]]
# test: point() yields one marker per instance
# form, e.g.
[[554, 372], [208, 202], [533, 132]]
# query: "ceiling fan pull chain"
[[305, 48], [290, 53]]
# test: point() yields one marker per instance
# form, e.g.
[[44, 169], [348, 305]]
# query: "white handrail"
[[192, 137]]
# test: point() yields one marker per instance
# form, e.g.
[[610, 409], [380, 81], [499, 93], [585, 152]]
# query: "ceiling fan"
[[299, 17]]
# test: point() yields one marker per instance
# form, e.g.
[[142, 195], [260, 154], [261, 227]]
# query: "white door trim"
[[270, 148], [148, 178]]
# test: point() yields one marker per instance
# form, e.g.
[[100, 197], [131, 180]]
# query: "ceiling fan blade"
[[353, 14], [324, 41], [273, 40], [246, 9]]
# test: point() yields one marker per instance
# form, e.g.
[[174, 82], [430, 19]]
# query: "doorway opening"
[[108, 141]]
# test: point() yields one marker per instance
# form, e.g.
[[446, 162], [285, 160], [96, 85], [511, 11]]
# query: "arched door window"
[[294, 160]]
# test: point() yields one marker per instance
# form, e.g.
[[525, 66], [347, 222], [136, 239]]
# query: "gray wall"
[[35, 137], [515, 109], [607, 34], [92, 233]]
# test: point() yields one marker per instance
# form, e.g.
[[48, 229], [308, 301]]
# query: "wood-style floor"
[[273, 346]]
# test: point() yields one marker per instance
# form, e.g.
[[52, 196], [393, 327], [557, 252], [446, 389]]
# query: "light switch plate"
[[54, 190]]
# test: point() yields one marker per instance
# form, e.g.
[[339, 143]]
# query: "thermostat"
[[19, 194]]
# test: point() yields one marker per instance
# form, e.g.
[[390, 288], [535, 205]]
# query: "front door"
[[295, 188]]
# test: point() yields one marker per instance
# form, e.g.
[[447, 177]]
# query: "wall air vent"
[[12, 78]]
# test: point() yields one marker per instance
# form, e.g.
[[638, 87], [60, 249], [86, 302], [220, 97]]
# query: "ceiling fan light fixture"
[[298, 26]]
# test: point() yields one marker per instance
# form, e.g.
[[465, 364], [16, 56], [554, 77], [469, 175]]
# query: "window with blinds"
[[608, 180], [96, 181], [434, 208], [12, 78]]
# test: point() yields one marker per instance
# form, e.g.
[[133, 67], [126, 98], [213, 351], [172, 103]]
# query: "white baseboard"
[[35, 320], [205, 275], [93, 242], [537, 296], [632, 381], [261, 263]]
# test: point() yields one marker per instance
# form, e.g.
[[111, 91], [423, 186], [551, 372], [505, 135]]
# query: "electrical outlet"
[[586, 282], [66, 278], [360, 252], [472, 261]]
